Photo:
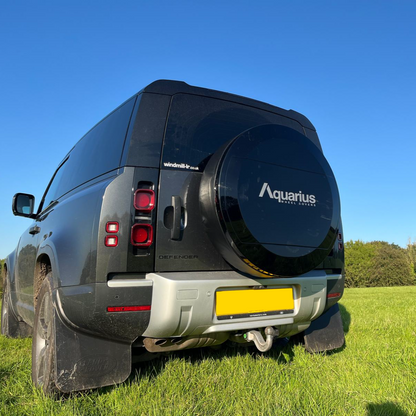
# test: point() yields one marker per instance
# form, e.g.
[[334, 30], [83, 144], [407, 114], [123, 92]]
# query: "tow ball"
[[261, 344]]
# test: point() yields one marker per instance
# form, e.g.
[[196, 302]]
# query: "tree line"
[[379, 263]]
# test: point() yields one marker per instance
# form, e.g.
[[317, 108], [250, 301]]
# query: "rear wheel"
[[43, 344], [5, 312]]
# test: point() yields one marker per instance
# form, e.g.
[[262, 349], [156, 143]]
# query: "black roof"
[[168, 87]]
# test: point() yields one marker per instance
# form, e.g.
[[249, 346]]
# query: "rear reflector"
[[142, 235], [111, 241], [128, 308], [334, 295], [112, 227], [144, 200]]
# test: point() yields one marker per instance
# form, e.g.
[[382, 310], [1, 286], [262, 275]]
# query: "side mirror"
[[23, 205]]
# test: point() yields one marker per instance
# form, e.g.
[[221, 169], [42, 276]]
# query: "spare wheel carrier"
[[270, 203]]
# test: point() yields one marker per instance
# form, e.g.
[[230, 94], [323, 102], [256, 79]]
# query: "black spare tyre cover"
[[270, 203]]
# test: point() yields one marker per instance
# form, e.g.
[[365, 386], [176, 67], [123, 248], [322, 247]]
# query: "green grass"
[[374, 374]]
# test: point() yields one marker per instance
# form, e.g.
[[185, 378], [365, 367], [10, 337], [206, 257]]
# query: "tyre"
[[11, 327], [8, 321], [43, 344], [270, 202]]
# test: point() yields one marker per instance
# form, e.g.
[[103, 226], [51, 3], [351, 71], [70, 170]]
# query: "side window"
[[98, 152]]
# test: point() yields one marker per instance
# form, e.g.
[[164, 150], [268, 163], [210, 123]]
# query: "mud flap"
[[84, 361], [325, 333]]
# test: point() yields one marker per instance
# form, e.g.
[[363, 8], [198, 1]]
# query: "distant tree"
[[391, 267], [358, 263], [411, 252], [377, 263]]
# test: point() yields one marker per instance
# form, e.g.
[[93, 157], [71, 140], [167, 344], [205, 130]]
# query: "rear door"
[[197, 127]]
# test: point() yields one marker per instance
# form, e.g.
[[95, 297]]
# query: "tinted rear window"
[[198, 126]]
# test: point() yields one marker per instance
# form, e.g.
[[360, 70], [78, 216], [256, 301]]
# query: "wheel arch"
[[9, 267], [45, 263]]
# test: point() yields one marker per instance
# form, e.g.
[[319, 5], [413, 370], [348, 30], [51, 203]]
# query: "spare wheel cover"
[[270, 202]]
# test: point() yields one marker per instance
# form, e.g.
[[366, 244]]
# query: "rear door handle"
[[34, 230], [175, 232]]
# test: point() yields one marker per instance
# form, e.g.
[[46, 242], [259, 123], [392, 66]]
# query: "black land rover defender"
[[185, 218]]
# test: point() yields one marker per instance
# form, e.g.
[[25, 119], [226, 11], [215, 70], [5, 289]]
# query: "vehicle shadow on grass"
[[346, 318], [381, 409], [283, 352]]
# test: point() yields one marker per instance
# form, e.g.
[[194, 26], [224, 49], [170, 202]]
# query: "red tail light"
[[144, 200], [334, 295], [128, 308], [142, 235]]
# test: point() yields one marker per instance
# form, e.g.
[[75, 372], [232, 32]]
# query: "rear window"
[[198, 126]]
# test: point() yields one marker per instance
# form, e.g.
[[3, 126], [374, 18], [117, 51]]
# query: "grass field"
[[374, 374]]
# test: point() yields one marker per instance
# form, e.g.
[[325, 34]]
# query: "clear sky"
[[349, 66]]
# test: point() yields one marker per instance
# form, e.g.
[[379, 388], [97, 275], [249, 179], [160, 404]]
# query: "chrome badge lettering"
[[284, 197]]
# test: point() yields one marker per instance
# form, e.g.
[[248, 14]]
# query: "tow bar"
[[261, 344]]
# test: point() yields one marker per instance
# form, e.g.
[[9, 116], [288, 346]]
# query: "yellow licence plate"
[[251, 302]]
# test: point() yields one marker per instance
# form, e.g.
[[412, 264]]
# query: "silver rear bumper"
[[183, 304]]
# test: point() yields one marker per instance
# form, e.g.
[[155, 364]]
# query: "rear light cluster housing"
[[144, 202], [142, 235]]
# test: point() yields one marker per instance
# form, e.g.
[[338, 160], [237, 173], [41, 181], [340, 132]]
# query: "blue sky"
[[349, 66]]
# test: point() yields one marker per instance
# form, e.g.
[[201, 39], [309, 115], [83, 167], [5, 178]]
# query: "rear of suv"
[[186, 218]]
